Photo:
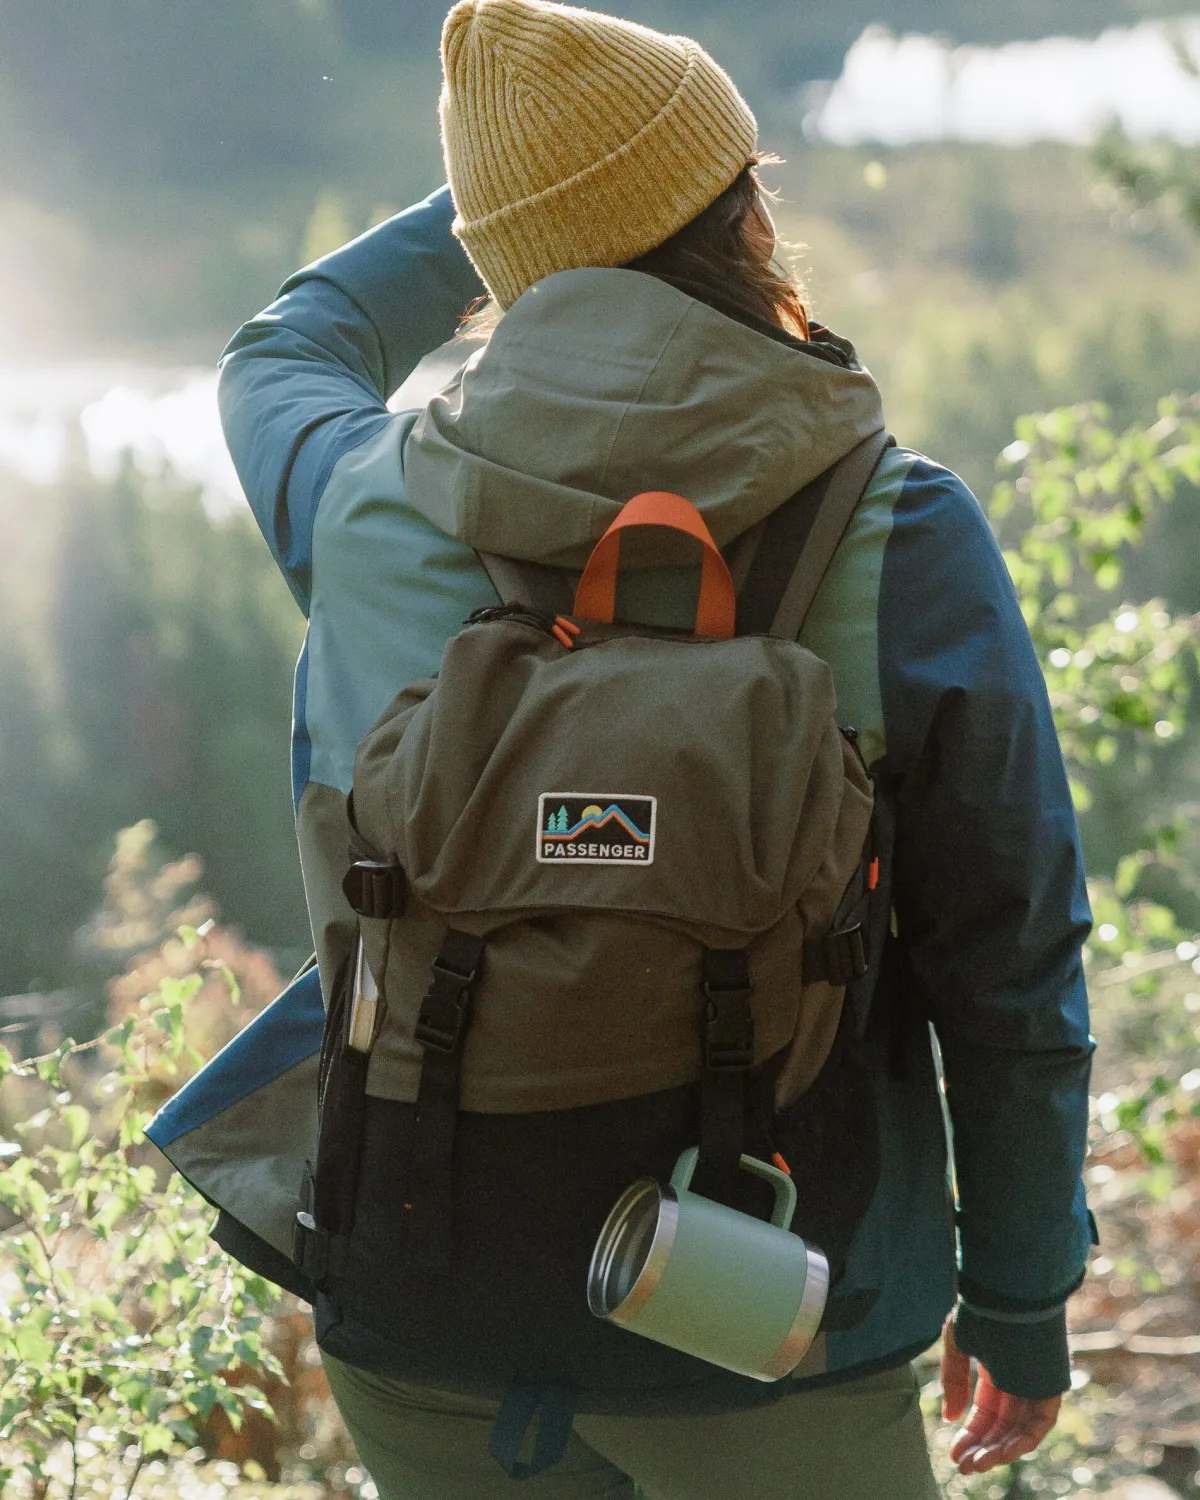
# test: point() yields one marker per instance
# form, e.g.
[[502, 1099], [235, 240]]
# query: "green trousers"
[[862, 1440]]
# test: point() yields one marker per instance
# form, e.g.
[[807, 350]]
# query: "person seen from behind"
[[575, 144]]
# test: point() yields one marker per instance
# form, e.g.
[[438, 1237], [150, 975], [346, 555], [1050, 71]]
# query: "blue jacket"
[[372, 515]]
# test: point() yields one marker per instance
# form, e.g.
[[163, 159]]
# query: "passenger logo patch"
[[595, 828]]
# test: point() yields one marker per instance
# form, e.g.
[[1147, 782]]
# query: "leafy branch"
[[119, 1320], [1078, 505], [1072, 507]]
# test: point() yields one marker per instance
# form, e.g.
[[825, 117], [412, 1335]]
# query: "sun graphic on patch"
[[592, 812]]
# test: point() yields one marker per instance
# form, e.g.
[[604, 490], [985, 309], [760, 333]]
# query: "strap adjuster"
[[839, 957], [728, 1020], [443, 1016], [375, 887], [319, 1254], [444, 1009], [730, 1059]]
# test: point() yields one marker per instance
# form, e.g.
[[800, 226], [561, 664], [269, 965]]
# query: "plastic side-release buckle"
[[375, 888], [444, 1009], [728, 1020]]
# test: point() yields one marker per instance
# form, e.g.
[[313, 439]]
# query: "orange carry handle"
[[596, 596]]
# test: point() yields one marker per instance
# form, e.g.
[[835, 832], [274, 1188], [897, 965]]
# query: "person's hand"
[[999, 1427]]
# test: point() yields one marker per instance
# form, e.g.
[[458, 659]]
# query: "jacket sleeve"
[[991, 914], [308, 379]]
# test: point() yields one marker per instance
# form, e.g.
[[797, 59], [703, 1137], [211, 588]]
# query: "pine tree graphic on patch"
[[595, 828]]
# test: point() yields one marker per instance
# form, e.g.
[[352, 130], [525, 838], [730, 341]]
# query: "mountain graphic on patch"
[[595, 828]]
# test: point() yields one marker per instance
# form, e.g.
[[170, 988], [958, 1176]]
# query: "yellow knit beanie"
[[576, 139]]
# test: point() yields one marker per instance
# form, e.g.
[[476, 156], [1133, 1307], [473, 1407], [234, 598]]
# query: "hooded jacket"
[[598, 384]]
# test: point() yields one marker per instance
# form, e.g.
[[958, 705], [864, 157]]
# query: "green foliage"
[[1159, 173], [119, 1320], [957, 272], [146, 656], [1081, 502], [1076, 509]]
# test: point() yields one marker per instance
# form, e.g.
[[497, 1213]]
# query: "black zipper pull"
[[520, 614], [561, 627]]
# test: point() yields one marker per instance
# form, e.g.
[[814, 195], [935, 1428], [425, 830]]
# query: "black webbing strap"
[[326, 1213], [783, 537], [799, 540], [441, 1028], [375, 887], [849, 953], [319, 1252], [843, 954], [728, 1054], [551, 1407]]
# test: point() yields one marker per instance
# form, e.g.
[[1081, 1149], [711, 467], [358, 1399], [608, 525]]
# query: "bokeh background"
[[165, 163], [999, 204]]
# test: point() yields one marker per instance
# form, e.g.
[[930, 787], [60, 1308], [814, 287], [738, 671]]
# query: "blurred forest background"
[[164, 164]]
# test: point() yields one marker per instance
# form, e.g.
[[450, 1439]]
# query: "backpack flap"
[[701, 781]]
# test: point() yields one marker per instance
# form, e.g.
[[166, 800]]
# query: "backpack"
[[620, 890]]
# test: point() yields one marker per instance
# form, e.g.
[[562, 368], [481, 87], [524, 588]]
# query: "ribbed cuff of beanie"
[[1026, 1354]]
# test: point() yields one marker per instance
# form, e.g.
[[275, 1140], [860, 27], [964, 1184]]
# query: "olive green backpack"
[[614, 884]]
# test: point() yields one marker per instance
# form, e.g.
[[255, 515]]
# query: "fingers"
[[1001, 1450], [999, 1428], [1013, 1427], [956, 1375], [984, 1426]]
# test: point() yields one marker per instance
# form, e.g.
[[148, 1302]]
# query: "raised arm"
[[308, 379]]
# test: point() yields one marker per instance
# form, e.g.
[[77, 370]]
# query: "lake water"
[[161, 415], [899, 90]]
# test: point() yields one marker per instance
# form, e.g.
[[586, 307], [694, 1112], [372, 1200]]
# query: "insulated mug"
[[707, 1279]]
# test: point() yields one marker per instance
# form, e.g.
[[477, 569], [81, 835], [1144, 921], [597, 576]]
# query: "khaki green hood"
[[599, 384]]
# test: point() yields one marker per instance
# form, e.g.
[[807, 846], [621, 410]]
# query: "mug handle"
[[785, 1188]]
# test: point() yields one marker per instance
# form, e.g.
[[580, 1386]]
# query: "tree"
[[145, 668]]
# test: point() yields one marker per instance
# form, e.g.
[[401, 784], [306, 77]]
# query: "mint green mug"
[[707, 1279]]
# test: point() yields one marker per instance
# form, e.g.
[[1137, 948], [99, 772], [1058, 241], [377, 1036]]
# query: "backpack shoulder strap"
[[799, 540], [546, 588]]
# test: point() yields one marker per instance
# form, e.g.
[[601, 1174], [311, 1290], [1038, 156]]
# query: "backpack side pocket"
[[323, 1226]]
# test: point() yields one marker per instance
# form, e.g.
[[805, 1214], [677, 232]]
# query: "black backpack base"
[[532, 1192]]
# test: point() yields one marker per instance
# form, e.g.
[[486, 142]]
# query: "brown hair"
[[711, 254]]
